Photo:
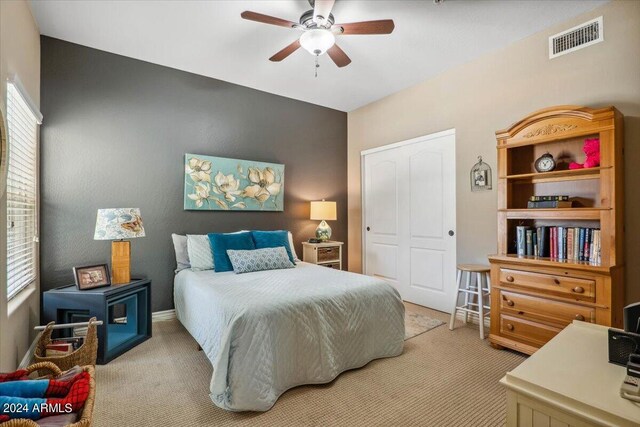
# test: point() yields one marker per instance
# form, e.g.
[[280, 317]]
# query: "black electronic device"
[[631, 316], [622, 345], [630, 388]]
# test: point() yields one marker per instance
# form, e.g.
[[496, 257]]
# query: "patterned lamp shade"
[[118, 223]]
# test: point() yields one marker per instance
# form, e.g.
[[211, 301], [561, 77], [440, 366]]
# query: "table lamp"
[[324, 211], [117, 225]]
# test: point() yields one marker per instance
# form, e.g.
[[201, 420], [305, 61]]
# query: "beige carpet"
[[443, 378]]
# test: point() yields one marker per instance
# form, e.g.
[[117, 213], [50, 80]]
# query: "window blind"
[[22, 194]]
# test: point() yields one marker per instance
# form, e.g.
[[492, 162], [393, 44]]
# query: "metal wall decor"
[[481, 176]]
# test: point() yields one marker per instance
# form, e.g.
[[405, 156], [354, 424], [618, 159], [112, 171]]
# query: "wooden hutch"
[[534, 298]]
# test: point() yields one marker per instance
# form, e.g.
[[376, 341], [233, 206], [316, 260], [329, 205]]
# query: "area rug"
[[416, 324]]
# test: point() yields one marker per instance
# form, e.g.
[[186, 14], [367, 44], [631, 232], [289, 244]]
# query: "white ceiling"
[[210, 38]]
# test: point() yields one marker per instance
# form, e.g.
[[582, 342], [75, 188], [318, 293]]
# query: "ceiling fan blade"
[[266, 19], [321, 10], [285, 52], [338, 56], [383, 26]]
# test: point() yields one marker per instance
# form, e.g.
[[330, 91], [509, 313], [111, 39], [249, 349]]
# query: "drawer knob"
[[510, 303], [510, 279], [579, 317], [578, 290], [556, 281], [510, 326]]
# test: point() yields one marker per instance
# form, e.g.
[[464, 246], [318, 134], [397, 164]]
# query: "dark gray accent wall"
[[115, 133]]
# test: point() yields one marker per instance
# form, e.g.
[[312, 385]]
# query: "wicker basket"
[[86, 354], [86, 414]]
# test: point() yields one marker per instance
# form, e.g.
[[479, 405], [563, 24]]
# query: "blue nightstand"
[[124, 309]]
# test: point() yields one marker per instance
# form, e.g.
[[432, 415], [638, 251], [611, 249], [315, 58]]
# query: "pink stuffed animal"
[[592, 150]]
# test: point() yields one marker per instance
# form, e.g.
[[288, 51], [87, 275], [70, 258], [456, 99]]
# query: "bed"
[[268, 331]]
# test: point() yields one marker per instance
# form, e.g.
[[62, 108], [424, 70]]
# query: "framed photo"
[[92, 276], [481, 176]]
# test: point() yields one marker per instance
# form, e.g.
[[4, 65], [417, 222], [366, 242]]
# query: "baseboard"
[[159, 316]]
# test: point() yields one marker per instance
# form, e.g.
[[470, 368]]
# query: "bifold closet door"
[[409, 216]]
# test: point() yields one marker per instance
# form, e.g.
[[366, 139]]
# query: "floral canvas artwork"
[[218, 183]]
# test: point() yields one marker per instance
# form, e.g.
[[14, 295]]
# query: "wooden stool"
[[480, 288]]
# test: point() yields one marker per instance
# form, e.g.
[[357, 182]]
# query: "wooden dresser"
[[533, 298]]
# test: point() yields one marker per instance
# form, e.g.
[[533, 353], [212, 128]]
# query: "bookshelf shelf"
[[557, 176], [555, 287], [579, 214]]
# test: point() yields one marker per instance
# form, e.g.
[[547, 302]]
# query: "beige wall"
[[491, 93], [19, 55]]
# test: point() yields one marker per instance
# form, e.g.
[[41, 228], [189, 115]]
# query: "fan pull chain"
[[317, 65]]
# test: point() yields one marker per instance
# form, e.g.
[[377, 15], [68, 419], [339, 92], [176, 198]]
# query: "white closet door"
[[431, 208], [409, 217], [383, 219]]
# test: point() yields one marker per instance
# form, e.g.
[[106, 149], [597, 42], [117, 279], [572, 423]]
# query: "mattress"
[[268, 331]]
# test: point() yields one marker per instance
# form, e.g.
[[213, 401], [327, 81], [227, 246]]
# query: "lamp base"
[[323, 231], [120, 262]]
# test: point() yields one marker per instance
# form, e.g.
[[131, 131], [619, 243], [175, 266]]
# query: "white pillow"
[[200, 254], [293, 248], [182, 255]]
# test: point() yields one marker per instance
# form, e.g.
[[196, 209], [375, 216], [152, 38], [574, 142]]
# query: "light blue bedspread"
[[268, 331]]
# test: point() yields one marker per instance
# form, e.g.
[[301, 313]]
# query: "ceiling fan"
[[320, 31]]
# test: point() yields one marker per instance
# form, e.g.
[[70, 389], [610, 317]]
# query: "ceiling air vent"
[[575, 38]]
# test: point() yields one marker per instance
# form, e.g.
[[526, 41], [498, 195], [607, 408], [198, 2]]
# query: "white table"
[[569, 382]]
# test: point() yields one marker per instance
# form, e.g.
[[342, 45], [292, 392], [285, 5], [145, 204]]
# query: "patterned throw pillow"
[[273, 239], [259, 259]]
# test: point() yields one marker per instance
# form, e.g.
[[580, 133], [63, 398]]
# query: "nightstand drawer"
[[331, 253], [563, 286], [334, 265], [541, 309]]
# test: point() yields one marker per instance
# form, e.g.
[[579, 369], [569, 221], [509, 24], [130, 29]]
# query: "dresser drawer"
[[331, 253], [568, 287], [540, 309], [533, 333]]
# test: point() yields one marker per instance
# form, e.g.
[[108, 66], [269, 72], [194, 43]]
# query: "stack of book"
[[564, 243], [58, 348], [63, 346], [548, 202]]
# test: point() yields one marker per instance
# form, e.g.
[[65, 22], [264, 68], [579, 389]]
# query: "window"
[[22, 190]]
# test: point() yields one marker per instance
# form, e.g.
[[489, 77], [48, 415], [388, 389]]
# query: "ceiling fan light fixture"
[[317, 41]]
